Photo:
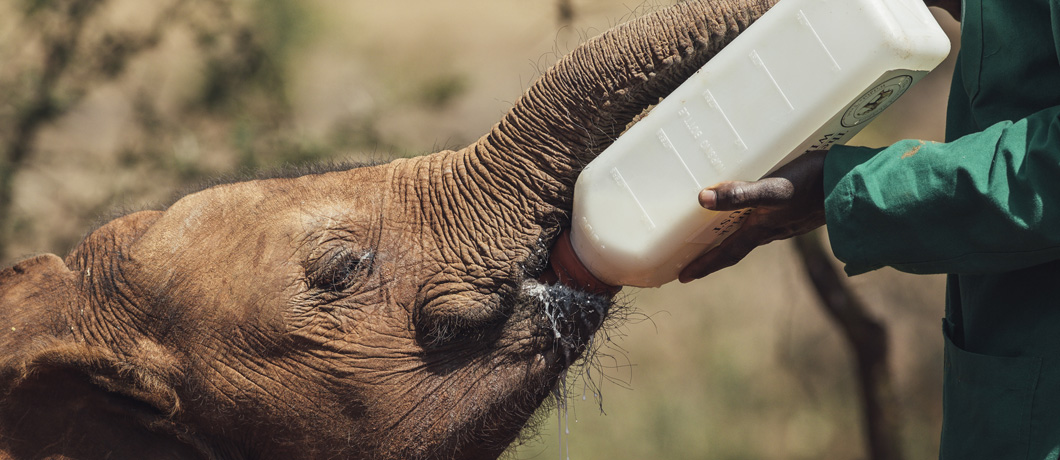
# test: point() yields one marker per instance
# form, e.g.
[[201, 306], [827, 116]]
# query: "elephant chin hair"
[[594, 361]]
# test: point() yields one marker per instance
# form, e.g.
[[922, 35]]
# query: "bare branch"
[[867, 337]]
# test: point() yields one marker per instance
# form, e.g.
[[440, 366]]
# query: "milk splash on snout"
[[574, 317]]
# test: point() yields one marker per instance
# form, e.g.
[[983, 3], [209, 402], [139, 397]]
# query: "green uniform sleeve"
[[984, 203]]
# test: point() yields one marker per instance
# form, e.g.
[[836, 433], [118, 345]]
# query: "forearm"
[[989, 201]]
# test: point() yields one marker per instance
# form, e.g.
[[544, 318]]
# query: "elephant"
[[358, 311]]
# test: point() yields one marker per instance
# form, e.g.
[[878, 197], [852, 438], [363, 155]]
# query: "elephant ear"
[[60, 395], [35, 295], [55, 404]]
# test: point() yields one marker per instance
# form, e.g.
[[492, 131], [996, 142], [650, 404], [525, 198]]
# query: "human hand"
[[787, 203]]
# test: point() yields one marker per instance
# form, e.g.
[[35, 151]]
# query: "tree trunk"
[[867, 337]]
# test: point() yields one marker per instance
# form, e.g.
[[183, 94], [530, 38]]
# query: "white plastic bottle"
[[807, 75]]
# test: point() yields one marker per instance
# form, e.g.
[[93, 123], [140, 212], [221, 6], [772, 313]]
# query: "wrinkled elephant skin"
[[384, 311]]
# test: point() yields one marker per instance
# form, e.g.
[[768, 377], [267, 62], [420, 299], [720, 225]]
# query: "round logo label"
[[873, 102]]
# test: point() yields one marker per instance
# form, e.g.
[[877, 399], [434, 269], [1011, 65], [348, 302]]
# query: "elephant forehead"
[[275, 209], [216, 238], [209, 237]]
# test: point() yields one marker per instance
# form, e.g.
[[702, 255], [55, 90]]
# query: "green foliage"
[[284, 26], [234, 71], [439, 92]]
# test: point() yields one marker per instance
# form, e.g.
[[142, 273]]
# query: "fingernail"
[[708, 198]]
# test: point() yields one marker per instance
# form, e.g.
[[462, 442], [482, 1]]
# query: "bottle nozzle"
[[565, 268]]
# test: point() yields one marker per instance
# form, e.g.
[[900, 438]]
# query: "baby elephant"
[[378, 312]]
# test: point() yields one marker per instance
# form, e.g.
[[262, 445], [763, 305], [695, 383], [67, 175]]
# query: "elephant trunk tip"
[[565, 268]]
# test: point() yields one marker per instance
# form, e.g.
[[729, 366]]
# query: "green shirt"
[[983, 207]]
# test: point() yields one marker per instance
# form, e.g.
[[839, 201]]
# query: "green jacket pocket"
[[986, 404]]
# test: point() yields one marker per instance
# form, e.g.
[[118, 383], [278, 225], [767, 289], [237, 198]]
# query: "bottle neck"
[[565, 268]]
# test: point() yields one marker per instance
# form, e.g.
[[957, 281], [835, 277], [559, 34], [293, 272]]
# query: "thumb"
[[735, 195]]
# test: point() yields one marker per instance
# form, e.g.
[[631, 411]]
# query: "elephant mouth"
[[569, 303], [570, 319]]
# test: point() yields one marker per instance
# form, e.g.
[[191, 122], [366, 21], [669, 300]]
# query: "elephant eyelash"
[[339, 269]]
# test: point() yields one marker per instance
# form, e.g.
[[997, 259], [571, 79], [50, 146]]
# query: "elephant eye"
[[339, 268]]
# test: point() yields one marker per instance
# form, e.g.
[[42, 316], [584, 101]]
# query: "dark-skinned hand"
[[787, 203]]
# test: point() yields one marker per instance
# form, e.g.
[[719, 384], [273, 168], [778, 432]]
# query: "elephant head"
[[386, 311]]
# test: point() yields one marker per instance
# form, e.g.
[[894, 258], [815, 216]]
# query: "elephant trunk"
[[581, 104], [507, 196]]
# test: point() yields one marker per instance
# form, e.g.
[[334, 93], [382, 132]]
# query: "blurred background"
[[109, 105]]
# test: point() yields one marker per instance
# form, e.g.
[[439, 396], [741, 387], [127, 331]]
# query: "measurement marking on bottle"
[[690, 123], [621, 181], [589, 230], [806, 22], [712, 155], [713, 103], [665, 141], [704, 144], [757, 60]]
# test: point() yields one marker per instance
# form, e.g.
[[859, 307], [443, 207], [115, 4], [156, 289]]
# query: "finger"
[[733, 250], [735, 195]]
